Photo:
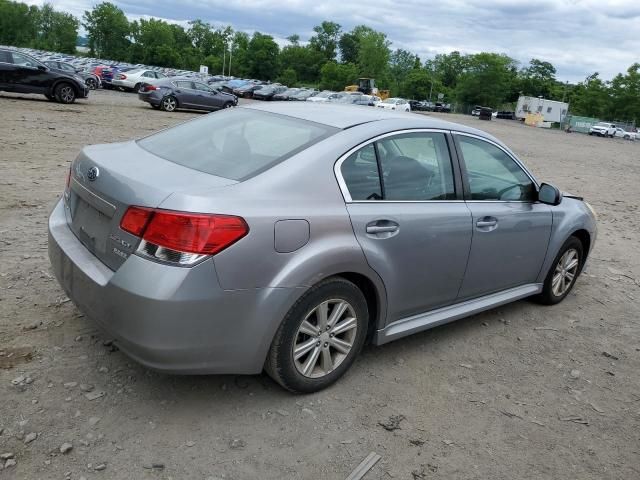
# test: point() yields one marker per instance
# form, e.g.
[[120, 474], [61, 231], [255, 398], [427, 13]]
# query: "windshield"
[[237, 143]]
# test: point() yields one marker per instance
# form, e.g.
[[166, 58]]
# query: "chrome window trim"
[[343, 185], [509, 153]]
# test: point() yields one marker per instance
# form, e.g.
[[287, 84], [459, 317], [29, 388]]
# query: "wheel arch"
[[585, 239], [57, 82]]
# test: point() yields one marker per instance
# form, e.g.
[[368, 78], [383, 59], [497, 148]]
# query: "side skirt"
[[424, 321]]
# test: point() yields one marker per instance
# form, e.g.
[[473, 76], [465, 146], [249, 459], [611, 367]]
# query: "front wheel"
[[227, 105], [320, 337], [91, 83], [169, 103], [65, 93], [563, 273]]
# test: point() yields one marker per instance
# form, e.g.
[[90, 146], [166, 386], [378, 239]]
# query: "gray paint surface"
[[220, 315]]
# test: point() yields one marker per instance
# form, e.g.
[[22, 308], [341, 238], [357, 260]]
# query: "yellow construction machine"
[[368, 87]]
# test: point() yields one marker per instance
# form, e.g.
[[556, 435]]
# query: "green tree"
[[304, 61], [488, 80], [625, 95], [326, 38], [108, 30], [537, 79], [349, 47], [57, 31], [448, 68], [420, 84], [288, 77], [335, 76], [18, 23], [401, 62], [590, 97], [373, 53], [263, 58]]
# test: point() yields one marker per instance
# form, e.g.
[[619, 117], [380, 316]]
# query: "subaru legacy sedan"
[[283, 236]]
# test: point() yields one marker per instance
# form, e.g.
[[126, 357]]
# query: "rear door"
[[511, 230], [403, 195]]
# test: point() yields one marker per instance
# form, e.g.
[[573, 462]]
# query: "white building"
[[551, 110]]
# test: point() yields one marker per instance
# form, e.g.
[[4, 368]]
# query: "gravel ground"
[[523, 391]]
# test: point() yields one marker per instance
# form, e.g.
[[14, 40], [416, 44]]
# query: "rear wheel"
[[65, 93], [227, 105], [136, 87], [91, 83], [320, 337], [563, 273], [169, 103]]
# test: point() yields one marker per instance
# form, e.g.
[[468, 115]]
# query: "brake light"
[[182, 237], [122, 76], [149, 88]]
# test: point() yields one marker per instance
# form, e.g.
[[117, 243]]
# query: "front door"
[[511, 230], [186, 94], [409, 218], [27, 75]]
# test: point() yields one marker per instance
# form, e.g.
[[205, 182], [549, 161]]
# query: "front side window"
[[492, 174], [407, 167]]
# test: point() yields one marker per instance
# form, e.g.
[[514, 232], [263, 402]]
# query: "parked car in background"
[[132, 80], [91, 80], [22, 73], [399, 104], [268, 91], [367, 233], [620, 133], [230, 85], [603, 129], [442, 107], [106, 75], [286, 94], [476, 111], [303, 95], [174, 93], [324, 96], [246, 90]]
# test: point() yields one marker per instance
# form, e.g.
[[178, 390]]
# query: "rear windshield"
[[235, 143]]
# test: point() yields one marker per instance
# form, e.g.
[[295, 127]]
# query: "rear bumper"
[[171, 319], [149, 98]]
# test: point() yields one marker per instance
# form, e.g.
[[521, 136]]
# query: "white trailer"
[[551, 110]]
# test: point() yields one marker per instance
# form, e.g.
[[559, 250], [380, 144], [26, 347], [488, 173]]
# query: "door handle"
[[382, 228], [487, 223]]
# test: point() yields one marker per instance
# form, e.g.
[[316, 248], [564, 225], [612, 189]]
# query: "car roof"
[[347, 116]]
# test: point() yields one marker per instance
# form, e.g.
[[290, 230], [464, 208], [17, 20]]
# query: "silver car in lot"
[[283, 236]]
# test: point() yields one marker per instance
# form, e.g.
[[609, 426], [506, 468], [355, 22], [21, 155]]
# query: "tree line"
[[331, 59]]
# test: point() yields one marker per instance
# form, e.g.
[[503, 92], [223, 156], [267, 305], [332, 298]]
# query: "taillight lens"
[[149, 88], [182, 237], [122, 76]]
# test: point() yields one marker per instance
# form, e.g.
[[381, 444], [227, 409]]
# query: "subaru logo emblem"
[[93, 173]]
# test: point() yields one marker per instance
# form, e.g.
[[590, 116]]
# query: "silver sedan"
[[284, 236]]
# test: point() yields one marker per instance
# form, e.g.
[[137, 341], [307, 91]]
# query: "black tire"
[[227, 105], [169, 103], [136, 87], [51, 98], [281, 365], [547, 296], [65, 93], [91, 83]]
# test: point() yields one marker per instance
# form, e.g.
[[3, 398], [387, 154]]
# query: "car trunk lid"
[[106, 179]]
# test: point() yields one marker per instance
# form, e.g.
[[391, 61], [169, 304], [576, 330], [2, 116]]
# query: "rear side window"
[[235, 143], [406, 167]]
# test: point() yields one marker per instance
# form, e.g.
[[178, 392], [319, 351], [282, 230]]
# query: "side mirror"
[[549, 194]]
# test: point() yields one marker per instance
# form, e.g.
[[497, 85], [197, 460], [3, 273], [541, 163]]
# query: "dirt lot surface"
[[520, 392]]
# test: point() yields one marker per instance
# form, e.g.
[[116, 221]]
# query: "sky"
[[578, 37]]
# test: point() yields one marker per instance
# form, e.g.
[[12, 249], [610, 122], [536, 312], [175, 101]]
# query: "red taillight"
[[66, 187], [135, 220], [199, 233], [122, 76], [149, 88]]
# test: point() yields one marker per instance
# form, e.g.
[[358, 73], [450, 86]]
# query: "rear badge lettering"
[[119, 241], [120, 253]]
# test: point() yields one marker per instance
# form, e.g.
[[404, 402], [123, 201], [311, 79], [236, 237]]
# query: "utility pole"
[[224, 57], [431, 91], [230, 56]]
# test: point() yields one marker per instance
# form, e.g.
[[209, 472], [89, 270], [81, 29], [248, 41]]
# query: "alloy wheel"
[[565, 272], [169, 104], [324, 338], [67, 94]]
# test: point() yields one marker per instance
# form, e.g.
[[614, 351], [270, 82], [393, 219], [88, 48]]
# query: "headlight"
[[593, 212]]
